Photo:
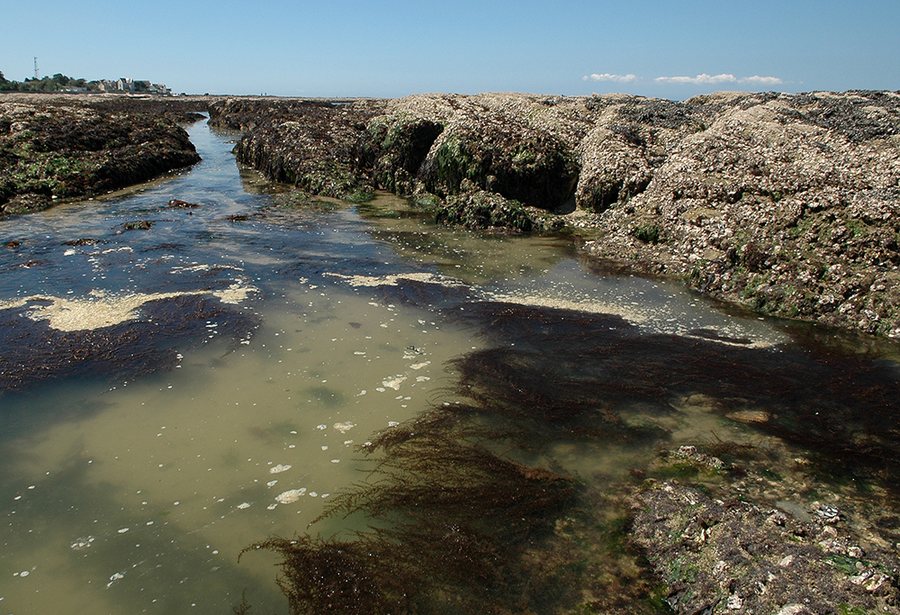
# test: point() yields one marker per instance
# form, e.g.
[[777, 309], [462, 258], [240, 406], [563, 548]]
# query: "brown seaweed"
[[459, 523], [450, 523], [35, 352]]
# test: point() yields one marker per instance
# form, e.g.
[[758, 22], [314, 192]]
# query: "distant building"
[[131, 86]]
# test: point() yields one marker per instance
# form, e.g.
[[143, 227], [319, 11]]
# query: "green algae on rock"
[[55, 151], [787, 204]]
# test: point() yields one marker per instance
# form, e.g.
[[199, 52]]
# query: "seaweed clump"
[[451, 525]]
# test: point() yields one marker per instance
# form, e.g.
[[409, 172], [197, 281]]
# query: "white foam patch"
[[394, 382], [197, 267], [116, 576], [290, 496], [344, 427], [99, 310], [281, 467], [81, 543], [393, 280]]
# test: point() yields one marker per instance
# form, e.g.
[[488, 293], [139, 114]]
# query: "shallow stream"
[[173, 394]]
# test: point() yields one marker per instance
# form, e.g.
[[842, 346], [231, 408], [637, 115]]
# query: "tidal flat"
[[275, 402]]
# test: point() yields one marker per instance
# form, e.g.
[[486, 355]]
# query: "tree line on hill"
[[56, 83], [62, 83]]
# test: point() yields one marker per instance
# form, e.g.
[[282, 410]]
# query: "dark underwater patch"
[[33, 352]]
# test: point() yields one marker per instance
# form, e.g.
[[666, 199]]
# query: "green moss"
[[682, 571], [425, 201], [676, 470], [455, 163], [771, 475], [857, 228], [648, 233], [360, 196], [657, 602], [845, 564], [485, 210], [524, 157]]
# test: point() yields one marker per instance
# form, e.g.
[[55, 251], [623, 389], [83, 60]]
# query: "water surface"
[[266, 336]]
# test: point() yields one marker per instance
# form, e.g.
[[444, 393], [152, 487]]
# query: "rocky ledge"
[[787, 204], [52, 149], [730, 540]]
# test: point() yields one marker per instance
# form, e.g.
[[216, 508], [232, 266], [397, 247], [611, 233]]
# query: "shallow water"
[[132, 486]]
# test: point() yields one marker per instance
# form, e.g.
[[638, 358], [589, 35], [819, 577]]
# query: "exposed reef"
[[52, 148], [787, 204], [730, 555]]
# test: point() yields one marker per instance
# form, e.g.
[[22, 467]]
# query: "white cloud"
[[760, 80], [629, 78], [705, 79], [701, 79]]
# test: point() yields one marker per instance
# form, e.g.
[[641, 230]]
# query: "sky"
[[670, 49]]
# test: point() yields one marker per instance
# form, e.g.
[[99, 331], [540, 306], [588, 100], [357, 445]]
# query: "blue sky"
[[661, 48]]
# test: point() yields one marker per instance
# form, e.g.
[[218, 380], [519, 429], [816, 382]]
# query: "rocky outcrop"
[[53, 151], [732, 556], [314, 146], [475, 208], [788, 204]]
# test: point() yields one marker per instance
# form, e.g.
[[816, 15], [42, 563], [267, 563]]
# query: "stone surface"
[[727, 555], [53, 149], [786, 204]]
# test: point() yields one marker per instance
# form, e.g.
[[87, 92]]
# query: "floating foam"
[[82, 542], [344, 427], [290, 496], [116, 576], [395, 382], [99, 311], [393, 280]]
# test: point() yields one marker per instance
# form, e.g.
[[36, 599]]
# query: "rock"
[[313, 146], [749, 416], [787, 204], [51, 151], [395, 148], [138, 225], [773, 205], [503, 154], [179, 204], [481, 209], [723, 555], [828, 514]]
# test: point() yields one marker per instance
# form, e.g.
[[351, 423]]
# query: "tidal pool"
[[178, 393]]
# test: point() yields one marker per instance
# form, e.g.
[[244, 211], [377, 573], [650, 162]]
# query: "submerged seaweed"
[[35, 352], [451, 523], [460, 523]]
